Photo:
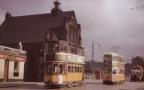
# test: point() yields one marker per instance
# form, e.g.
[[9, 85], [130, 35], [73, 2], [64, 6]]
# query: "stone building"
[[55, 31]]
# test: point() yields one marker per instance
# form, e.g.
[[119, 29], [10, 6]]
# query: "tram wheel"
[[47, 86], [80, 83], [69, 85]]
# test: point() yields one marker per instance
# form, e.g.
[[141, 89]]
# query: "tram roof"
[[113, 54]]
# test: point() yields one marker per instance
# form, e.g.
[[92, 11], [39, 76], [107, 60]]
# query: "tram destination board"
[[70, 58]]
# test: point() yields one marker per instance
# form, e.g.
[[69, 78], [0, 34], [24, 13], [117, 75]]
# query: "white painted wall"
[[11, 70], [2, 62]]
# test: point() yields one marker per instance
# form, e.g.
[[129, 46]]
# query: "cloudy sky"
[[112, 22]]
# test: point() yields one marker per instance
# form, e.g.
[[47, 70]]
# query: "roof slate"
[[31, 28]]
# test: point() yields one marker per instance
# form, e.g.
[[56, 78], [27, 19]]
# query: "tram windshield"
[[58, 68]]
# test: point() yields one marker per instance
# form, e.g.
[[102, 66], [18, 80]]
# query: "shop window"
[[16, 69]]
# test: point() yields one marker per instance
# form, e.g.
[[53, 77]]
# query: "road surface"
[[89, 85]]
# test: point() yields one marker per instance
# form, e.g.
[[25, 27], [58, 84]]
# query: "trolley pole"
[[44, 60], [93, 68], [93, 53], [115, 48]]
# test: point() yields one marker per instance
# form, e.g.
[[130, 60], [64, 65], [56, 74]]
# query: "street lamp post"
[[93, 64], [44, 60], [93, 60]]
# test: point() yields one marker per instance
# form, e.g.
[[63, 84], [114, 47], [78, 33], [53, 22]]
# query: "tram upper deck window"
[[107, 59], [50, 57], [108, 56], [115, 58]]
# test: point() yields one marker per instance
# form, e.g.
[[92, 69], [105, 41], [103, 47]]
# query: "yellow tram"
[[113, 68], [66, 69]]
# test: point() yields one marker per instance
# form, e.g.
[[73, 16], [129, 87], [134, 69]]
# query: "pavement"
[[16, 84], [89, 85], [37, 84]]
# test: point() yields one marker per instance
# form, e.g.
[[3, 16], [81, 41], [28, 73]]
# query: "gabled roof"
[[31, 28]]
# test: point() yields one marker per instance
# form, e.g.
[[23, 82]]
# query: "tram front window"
[[107, 71], [61, 69], [55, 68], [114, 71], [58, 68]]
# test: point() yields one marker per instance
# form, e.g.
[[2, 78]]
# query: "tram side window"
[[121, 71], [79, 69], [70, 68], [76, 69], [73, 69], [49, 70]]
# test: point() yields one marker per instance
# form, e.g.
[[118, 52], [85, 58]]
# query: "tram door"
[[59, 71]]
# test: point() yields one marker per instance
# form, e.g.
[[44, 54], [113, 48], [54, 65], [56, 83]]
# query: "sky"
[[113, 23]]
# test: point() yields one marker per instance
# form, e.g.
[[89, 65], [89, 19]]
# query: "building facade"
[[41, 34], [93, 68], [11, 64]]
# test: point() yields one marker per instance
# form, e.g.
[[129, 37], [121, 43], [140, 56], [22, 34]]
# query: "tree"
[[138, 61]]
